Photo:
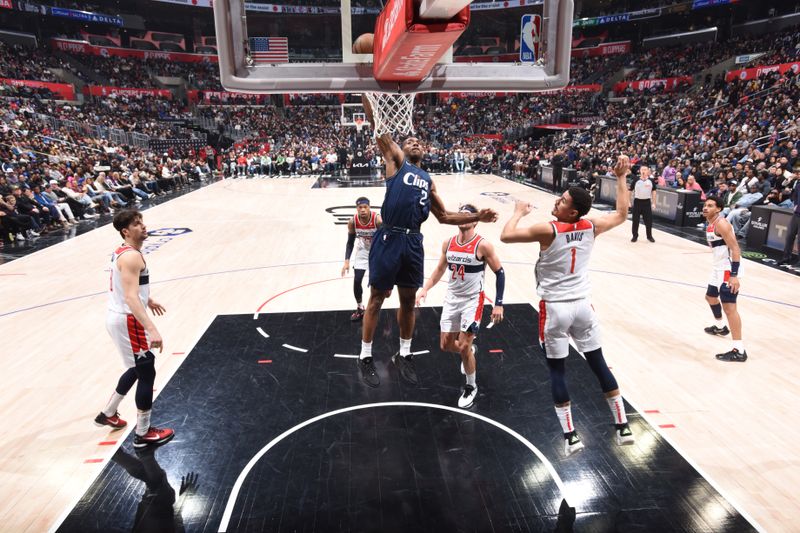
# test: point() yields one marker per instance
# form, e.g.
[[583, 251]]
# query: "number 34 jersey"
[[562, 271], [465, 269]]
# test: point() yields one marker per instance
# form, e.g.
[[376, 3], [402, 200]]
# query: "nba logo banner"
[[530, 28]]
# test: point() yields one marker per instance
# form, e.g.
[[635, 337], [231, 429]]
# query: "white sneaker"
[[572, 443], [467, 397], [19, 237], [32, 233], [623, 435]]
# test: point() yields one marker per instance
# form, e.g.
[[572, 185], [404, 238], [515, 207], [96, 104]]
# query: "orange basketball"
[[363, 45]]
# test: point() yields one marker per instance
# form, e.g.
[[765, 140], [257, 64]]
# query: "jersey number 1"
[[572, 265]]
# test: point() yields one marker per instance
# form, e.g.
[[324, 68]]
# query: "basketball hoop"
[[392, 113], [359, 124]]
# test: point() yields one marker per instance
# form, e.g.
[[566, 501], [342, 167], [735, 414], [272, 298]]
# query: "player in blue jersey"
[[396, 256]]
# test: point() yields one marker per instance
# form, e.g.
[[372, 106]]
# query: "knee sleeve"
[[712, 291], [146, 372], [598, 365], [558, 380], [126, 381], [358, 291]]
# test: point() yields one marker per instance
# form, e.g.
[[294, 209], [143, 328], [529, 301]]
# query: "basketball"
[[363, 45]]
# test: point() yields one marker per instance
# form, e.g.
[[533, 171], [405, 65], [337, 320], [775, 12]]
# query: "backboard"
[[320, 39]]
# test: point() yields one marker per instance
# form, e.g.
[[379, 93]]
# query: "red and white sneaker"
[[113, 421], [154, 437], [357, 315]]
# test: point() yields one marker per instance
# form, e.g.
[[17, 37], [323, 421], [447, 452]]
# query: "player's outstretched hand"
[[623, 166], [155, 307], [497, 314], [487, 215], [522, 208], [421, 295], [345, 268]]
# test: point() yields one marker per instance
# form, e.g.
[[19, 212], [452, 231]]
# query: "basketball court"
[[282, 435]]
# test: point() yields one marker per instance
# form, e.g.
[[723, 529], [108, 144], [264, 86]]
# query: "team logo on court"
[[502, 197], [754, 255], [159, 237]]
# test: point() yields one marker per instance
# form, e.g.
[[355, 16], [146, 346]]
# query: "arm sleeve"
[[351, 241], [500, 286]]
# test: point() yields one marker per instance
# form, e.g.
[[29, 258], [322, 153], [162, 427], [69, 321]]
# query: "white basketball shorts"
[[462, 314], [128, 335], [558, 321]]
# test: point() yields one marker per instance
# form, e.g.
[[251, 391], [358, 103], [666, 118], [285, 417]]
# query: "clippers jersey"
[[365, 232], [466, 270], [720, 253], [116, 301], [407, 202], [562, 271]]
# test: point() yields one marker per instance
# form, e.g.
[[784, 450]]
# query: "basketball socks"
[[366, 350], [405, 347], [617, 409], [113, 404], [143, 422], [738, 346], [471, 379], [565, 418]]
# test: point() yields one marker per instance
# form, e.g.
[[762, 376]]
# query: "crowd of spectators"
[[22, 63]]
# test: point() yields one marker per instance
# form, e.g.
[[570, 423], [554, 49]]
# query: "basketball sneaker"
[[406, 367], [357, 315], [154, 437], [113, 421], [623, 434], [467, 397], [714, 330], [368, 372], [734, 356], [572, 443]]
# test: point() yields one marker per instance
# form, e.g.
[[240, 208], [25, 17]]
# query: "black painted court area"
[[389, 468]]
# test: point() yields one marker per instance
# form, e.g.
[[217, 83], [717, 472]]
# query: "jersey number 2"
[[458, 270], [423, 197]]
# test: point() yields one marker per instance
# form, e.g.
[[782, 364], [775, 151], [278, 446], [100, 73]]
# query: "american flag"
[[269, 49]]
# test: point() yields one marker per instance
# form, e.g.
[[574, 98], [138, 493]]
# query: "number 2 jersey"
[[407, 202], [562, 271], [465, 269]]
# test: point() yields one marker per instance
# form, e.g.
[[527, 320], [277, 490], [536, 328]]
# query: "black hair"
[[125, 218], [581, 200], [717, 200]]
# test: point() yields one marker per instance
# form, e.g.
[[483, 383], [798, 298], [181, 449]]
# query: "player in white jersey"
[[724, 283], [132, 331], [360, 230], [465, 256], [563, 285]]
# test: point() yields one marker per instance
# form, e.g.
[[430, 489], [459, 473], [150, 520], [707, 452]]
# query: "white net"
[[392, 113]]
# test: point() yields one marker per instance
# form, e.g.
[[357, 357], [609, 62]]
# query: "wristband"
[[734, 268], [500, 286]]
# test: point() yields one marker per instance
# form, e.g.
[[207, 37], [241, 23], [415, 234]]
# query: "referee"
[[644, 200]]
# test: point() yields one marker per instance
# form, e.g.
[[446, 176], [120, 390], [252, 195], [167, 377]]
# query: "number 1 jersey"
[[562, 271]]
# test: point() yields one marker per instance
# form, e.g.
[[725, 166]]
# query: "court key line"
[[337, 261], [231, 503]]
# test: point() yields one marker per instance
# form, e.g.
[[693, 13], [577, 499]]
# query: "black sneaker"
[[572, 443], [368, 372], [651, 239], [714, 330], [634, 239], [734, 356], [406, 367], [357, 315]]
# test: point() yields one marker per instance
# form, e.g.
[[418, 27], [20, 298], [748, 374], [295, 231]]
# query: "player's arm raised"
[[348, 250], [487, 251], [130, 265], [390, 150], [453, 218], [541, 232], [612, 220], [436, 275], [725, 230]]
